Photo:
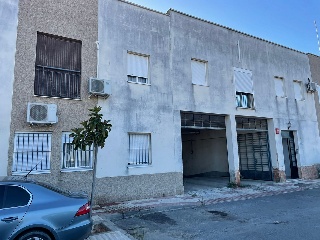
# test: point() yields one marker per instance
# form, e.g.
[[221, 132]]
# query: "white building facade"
[[192, 98], [189, 98]]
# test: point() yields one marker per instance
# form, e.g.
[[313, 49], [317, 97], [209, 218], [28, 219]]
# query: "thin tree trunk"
[[95, 150]]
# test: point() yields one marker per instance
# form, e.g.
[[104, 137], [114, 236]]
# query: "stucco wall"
[[8, 36], [193, 38], [136, 107], [172, 40], [72, 19], [314, 62]]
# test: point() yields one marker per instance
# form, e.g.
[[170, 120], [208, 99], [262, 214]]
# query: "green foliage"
[[93, 131]]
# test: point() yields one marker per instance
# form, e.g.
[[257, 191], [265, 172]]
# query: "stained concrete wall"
[[171, 40], [194, 38], [8, 36], [145, 108], [314, 62], [78, 20]]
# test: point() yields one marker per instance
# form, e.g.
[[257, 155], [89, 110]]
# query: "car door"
[[13, 206]]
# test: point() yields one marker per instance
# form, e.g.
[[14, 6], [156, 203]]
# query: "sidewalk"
[[196, 197]]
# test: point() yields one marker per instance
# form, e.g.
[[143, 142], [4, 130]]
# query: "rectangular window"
[[138, 68], [244, 88], [139, 149], [297, 90], [32, 151], [199, 72], [75, 159], [57, 67], [279, 86]]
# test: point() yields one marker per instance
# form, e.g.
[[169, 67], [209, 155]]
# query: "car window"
[[16, 196], [1, 195]]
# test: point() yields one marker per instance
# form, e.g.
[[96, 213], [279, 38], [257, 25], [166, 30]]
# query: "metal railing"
[[57, 82]]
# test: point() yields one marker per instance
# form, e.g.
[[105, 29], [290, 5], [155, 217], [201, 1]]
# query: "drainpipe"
[[97, 42]]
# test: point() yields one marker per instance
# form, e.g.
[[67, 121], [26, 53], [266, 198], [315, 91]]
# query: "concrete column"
[[276, 151], [232, 146]]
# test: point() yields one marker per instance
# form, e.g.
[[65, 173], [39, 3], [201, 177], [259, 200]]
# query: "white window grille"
[[32, 152], [139, 149], [297, 90], [137, 68], [75, 159], [244, 88], [199, 72], [279, 86]]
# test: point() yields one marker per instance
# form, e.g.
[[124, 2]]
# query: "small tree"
[[93, 132]]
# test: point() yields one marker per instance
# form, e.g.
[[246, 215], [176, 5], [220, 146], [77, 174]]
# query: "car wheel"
[[34, 235]]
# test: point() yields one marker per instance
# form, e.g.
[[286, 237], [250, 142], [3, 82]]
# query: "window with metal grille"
[[244, 88], [57, 67], [139, 149], [32, 151], [75, 159], [137, 68], [199, 72]]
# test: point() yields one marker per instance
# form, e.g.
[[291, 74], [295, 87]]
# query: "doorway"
[[289, 152]]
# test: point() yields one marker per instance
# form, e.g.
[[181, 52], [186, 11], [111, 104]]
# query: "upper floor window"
[[75, 159], [279, 86], [199, 71], [139, 149], [32, 152], [244, 88], [57, 67], [297, 86], [138, 68]]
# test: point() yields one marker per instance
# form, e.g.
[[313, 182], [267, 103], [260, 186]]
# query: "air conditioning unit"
[[311, 87], [41, 113], [99, 87]]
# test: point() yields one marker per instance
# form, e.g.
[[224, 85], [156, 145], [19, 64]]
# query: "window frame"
[[58, 72], [301, 90], [18, 151], [6, 186], [136, 162], [66, 139], [243, 92], [283, 95], [205, 65], [143, 79]]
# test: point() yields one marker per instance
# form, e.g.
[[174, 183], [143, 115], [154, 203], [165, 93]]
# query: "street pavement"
[[194, 196]]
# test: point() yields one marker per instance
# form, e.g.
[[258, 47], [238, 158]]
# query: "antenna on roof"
[[315, 24]]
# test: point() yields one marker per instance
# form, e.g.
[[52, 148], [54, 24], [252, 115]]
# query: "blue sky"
[[286, 22]]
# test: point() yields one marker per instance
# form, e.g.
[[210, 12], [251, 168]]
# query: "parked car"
[[30, 210]]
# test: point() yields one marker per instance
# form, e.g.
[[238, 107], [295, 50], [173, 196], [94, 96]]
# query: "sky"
[[286, 22]]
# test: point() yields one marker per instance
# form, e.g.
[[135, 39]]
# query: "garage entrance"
[[204, 148], [253, 148]]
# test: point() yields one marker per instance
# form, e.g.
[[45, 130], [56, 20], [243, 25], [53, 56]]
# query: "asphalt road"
[[287, 216]]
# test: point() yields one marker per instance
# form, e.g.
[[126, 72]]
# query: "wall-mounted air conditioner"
[[99, 87], [41, 113], [311, 87]]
